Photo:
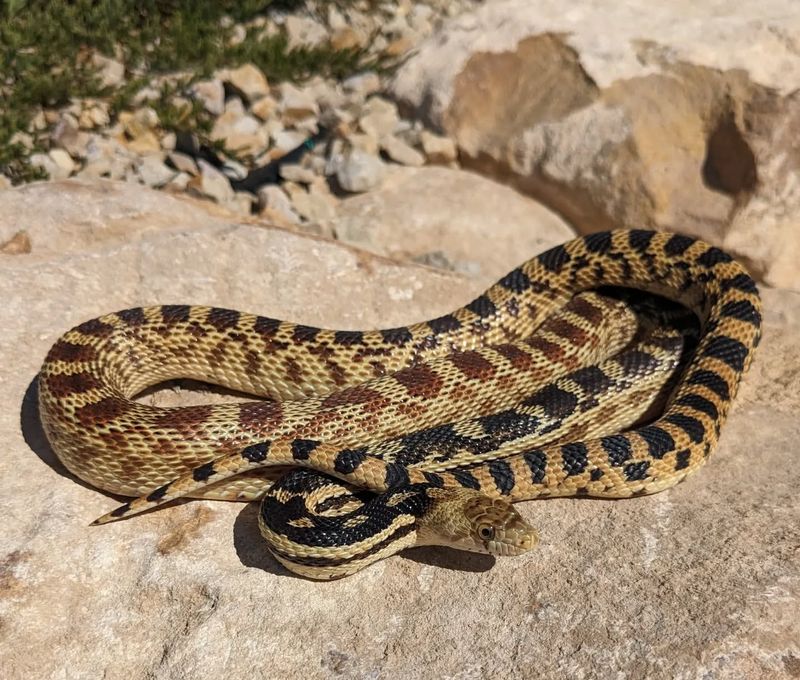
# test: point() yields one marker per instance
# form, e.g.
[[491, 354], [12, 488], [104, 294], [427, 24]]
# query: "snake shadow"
[[252, 550], [250, 546], [30, 422]]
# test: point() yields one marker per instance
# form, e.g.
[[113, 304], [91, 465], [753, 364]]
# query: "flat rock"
[[699, 581], [478, 225], [402, 153], [677, 117]]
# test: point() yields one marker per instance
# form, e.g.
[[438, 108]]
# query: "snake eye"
[[486, 532]]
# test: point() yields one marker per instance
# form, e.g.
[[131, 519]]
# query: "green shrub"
[[45, 48]]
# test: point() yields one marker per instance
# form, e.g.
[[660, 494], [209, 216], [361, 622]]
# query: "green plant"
[[46, 50]]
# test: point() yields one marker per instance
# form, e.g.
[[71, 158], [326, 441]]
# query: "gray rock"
[[94, 115], [286, 140], [249, 80], [402, 153], [363, 142], [168, 141], [106, 158], [379, 117], [242, 203], [239, 130], [276, 204], [211, 183], [438, 149], [360, 171], [56, 163], [212, 94], [153, 172], [179, 182], [67, 135], [264, 108], [110, 71], [305, 32], [297, 173], [314, 204], [363, 84], [467, 218], [296, 104], [183, 162]]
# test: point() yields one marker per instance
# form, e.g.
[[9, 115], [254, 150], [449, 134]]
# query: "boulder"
[[682, 117], [475, 225], [699, 581]]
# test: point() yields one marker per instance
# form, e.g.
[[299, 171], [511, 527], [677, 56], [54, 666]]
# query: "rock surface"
[[679, 117], [699, 581], [473, 225]]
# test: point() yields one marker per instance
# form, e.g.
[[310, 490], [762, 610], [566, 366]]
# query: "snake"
[[364, 443]]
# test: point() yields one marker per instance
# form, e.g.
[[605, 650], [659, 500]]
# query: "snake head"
[[468, 520]]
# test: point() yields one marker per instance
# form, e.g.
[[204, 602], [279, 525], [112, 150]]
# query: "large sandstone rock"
[[683, 116], [699, 581], [437, 215]]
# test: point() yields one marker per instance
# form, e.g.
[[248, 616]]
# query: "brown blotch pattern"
[[322, 351], [67, 351], [102, 412], [63, 385], [222, 319], [95, 328], [260, 416], [337, 372], [519, 360], [358, 394], [133, 317], [253, 362], [566, 330], [551, 350], [473, 365], [186, 418], [265, 326], [174, 314], [294, 371], [378, 369], [582, 307], [419, 381], [196, 330]]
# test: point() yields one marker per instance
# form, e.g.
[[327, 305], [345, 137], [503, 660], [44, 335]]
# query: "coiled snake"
[[535, 388]]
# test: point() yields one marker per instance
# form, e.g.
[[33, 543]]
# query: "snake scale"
[[368, 442]]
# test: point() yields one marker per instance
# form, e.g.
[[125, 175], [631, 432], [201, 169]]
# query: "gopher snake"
[[451, 419]]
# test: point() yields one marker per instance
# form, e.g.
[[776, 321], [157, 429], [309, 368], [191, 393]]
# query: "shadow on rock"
[[450, 558], [250, 545], [30, 421]]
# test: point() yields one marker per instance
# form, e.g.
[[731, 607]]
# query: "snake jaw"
[[513, 540], [468, 520]]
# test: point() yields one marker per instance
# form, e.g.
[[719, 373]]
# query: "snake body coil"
[[514, 396]]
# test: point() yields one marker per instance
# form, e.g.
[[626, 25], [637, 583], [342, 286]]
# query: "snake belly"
[[101, 435]]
